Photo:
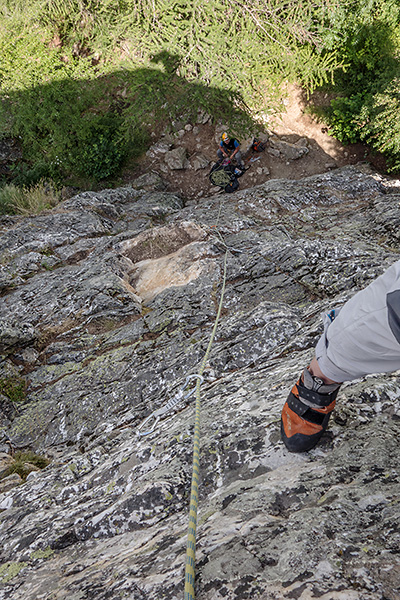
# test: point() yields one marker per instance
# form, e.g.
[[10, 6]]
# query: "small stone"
[[159, 148], [203, 118]]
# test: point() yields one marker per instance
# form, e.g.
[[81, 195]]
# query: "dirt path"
[[324, 152]]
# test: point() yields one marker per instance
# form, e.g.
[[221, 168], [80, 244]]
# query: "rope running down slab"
[[194, 490]]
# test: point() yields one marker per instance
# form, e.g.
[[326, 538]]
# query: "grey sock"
[[317, 385]]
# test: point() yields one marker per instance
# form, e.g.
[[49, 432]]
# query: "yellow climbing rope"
[[194, 490]]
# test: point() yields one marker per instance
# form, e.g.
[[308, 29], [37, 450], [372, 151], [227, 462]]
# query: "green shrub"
[[381, 126], [344, 116], [14, 388], [26, 175], [367, 38], [100, 149], [22, 463], [68, 66]]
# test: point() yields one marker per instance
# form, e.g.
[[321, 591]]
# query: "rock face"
[[108, 302]]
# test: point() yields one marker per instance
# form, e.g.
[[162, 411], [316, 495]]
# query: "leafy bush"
[[68, 65], [100, 150], [367, 38], [102, 157], [27, 175], [382, 125], [344, 117]]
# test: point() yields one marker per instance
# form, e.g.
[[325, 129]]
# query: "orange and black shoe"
[[306, 412]]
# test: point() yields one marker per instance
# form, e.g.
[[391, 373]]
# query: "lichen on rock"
[[109, 334]]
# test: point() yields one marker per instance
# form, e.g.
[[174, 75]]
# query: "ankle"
[[315, 371]]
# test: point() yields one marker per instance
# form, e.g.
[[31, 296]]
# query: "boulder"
[[159, 148], [176, 159], [287, 150], [199, 161], [149, 181]]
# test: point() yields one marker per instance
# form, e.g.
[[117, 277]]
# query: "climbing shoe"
[[306, 412]]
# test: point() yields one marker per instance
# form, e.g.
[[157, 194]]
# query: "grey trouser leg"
[[220, 155], [237, 157], [364, 338]]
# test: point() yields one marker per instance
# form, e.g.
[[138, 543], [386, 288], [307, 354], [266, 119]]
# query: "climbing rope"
[[194, 490], [220, 178], [157, 414]]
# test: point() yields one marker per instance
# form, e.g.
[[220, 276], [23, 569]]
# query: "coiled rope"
[[194, 490]]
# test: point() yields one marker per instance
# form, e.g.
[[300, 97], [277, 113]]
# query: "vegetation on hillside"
[[366, 35], [84, 82]]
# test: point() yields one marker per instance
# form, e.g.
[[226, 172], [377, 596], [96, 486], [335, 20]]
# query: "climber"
[[361, 338], [230, 148]]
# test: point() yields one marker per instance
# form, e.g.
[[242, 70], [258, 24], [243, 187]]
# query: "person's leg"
[[363, 338], [238, 158], [315, 370], [220, 155]]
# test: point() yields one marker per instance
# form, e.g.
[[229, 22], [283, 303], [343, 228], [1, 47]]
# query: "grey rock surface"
[[287, 150], [107, 305], [149, 181], [199, 161], [176, 158]]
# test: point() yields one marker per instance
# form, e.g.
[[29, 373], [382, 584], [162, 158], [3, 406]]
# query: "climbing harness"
[[157, 414]]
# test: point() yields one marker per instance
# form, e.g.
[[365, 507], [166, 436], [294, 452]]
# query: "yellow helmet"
[[225, 136]]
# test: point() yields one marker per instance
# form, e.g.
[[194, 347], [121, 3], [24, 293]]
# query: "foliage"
[[23, 462], [13, 388], [70, 67], [27, 200], [382, 124], [367, 35], [84, 82], [343, 117]]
